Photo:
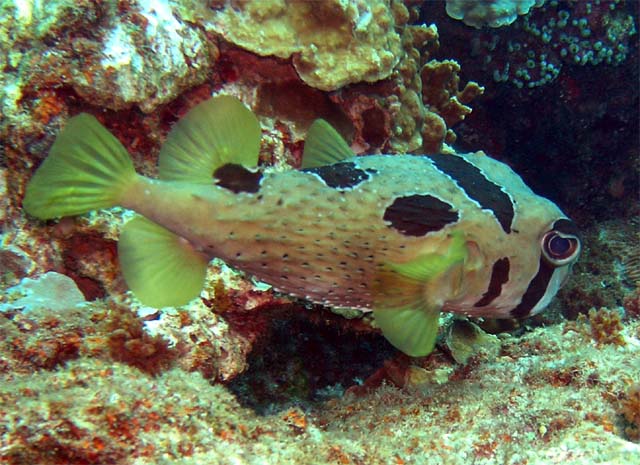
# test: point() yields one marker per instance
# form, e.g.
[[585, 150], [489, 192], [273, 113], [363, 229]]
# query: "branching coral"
[[444, 99]]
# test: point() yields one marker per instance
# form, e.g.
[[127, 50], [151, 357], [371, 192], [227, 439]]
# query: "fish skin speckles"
[[499, 277], [344, 175], [489, 195], [237, 178], [417, 215]]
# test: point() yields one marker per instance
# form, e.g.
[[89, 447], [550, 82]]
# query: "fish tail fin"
[[87, 169]]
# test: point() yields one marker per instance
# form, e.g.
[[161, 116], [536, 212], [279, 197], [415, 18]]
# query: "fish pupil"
[[559, 246]]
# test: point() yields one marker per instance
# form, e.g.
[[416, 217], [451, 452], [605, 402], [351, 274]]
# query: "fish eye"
[[560, 248]]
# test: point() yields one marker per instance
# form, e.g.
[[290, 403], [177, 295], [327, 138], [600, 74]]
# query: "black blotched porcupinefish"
[[405, 236]]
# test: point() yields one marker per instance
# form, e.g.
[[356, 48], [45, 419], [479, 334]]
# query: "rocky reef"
[[246, 375]]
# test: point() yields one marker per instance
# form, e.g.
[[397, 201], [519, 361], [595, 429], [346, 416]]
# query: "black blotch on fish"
[[341, 175], [499, 276], [237, 178], [417, 215], [536, 290], [470, 179]]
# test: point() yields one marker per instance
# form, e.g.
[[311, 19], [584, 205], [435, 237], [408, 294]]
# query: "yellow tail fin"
[[87, 169]]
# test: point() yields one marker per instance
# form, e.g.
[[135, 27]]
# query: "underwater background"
[[247, 375]]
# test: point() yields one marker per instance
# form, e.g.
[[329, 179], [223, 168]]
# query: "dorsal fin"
[[324, 146], [215, 132]]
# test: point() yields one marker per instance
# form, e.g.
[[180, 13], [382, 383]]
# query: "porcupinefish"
[[404, 236]]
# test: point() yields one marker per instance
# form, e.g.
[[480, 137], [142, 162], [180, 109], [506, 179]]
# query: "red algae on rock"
[[606, 326], [630, 409]]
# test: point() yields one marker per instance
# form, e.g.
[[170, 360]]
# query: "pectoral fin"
[[412, 329], [409, 296], [161, 268]]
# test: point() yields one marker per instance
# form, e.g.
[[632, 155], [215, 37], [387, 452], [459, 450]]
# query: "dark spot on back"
[[417, 215], [499, 276], [340, 175], [237, 178], [470, 179]]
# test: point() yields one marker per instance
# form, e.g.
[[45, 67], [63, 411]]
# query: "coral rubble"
[[527, 406]]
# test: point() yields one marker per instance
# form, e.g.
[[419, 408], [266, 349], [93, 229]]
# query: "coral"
[[51, 292], [14, 263], [415, 109], [631, 304], [332, 43], [532, 52], [42, 339], [631, 264], [387, 115], [97, 412], [444, 99], [89, 259], [630, 409], [115, 72], [493, 13], [92, 409]]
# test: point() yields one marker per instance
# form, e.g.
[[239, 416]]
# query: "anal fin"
[[161, 268]]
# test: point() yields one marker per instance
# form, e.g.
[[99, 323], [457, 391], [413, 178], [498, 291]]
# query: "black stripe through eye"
[[536, 290]]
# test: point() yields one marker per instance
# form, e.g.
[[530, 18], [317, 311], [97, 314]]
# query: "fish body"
[[403, 235]]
